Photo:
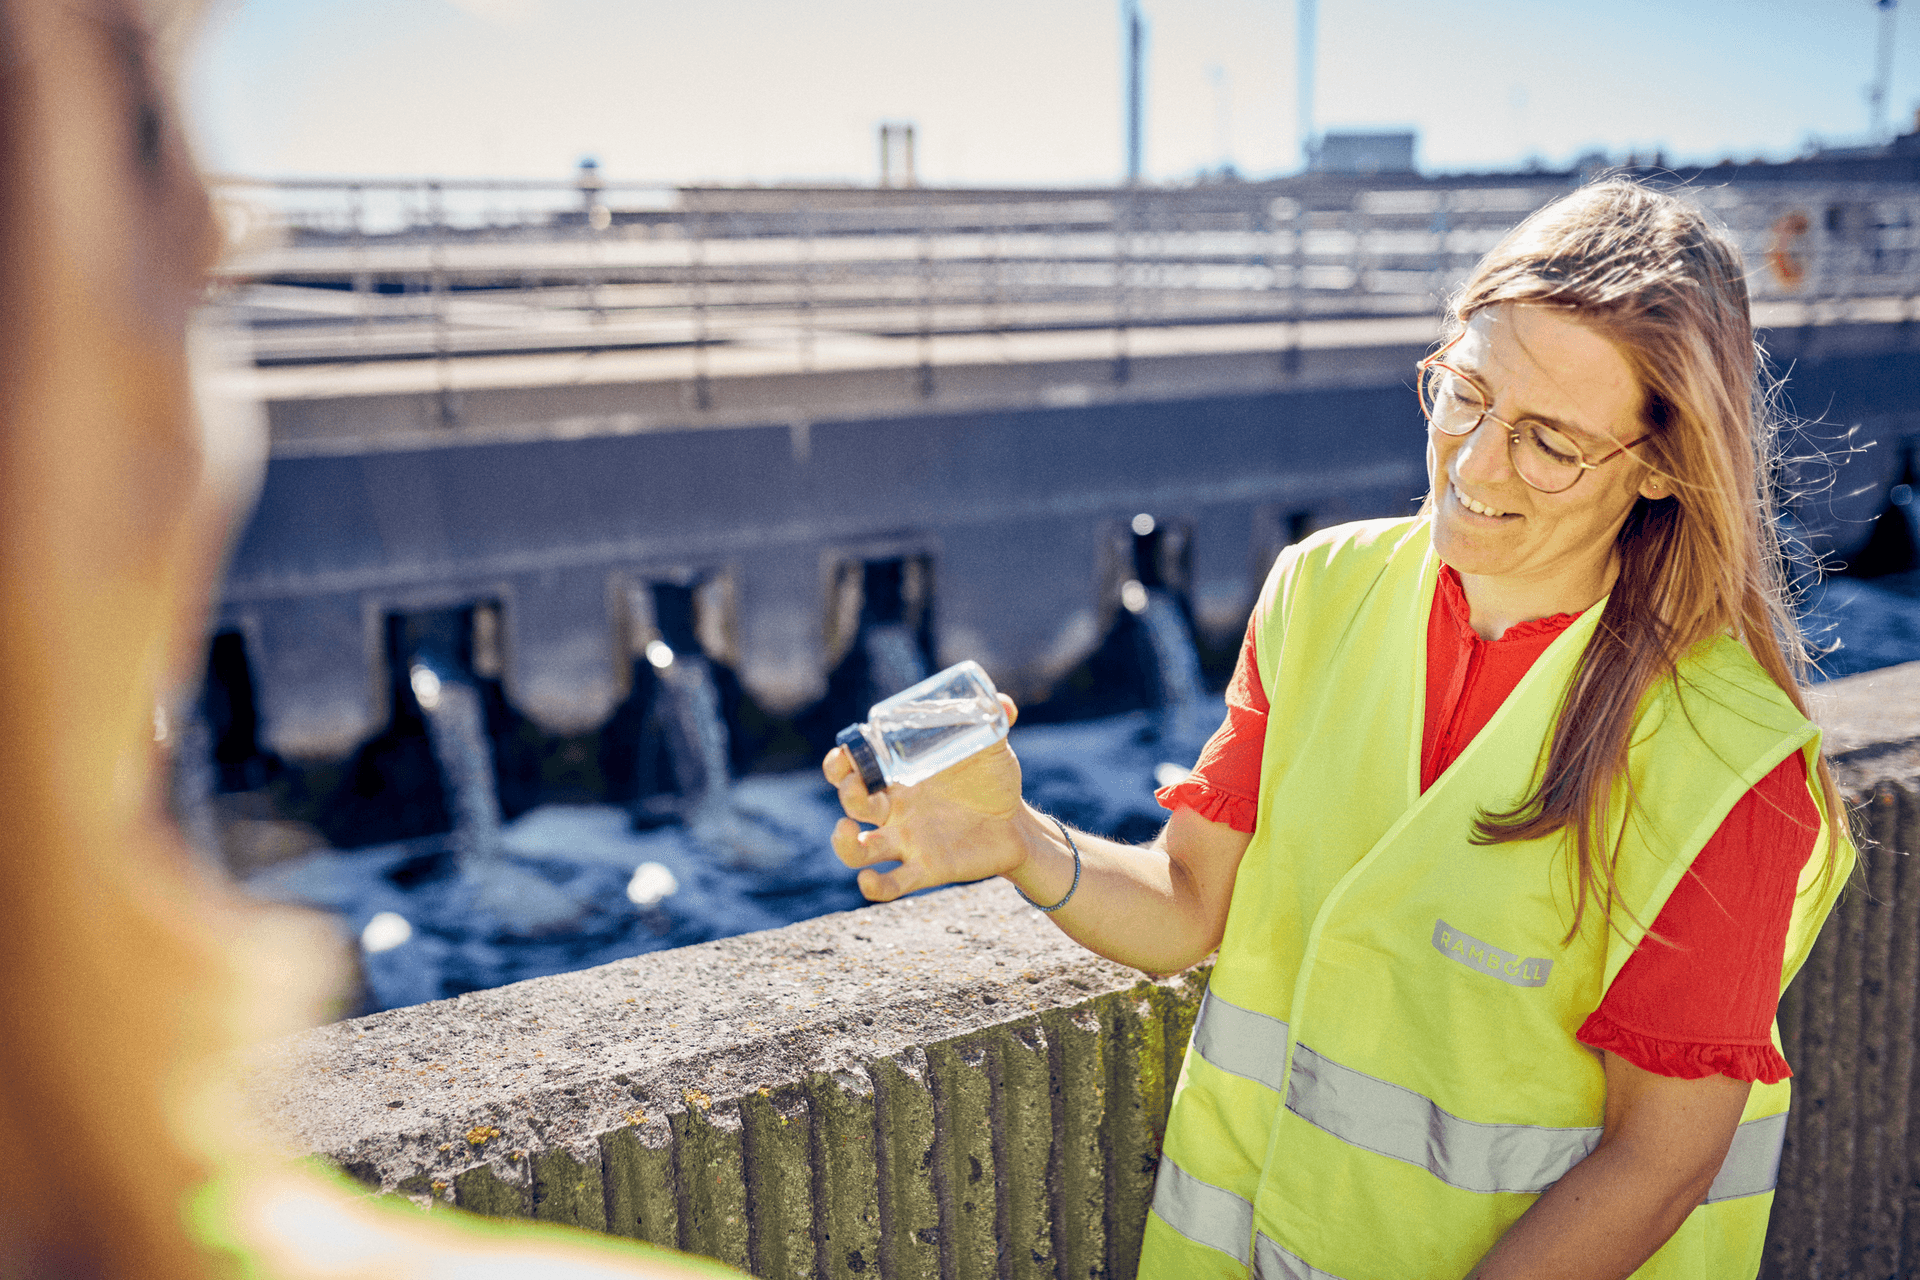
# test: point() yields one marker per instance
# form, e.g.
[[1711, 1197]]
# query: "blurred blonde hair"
[[133, 977]]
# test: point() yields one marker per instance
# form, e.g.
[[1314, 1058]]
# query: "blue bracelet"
[[1076, 874]]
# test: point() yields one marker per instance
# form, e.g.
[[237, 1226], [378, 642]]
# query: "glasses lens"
[[1546, 459], [1453, 405]]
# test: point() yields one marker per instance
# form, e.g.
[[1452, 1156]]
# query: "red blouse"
[[1699, 1007]]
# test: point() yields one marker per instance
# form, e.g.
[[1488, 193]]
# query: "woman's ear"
[[1655, 487]]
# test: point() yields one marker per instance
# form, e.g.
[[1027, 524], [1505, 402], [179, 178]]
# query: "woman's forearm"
[[1663, 1142], [1602, 1221], [1144, 907]]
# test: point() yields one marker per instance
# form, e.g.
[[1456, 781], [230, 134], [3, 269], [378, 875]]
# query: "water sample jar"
[[920, 731]]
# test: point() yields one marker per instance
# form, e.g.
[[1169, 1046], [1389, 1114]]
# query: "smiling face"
[[1522, 553]]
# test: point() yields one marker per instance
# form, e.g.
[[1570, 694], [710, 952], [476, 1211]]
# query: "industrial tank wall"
[[1018, 512]]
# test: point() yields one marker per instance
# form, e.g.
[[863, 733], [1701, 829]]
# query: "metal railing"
[[351, 271]]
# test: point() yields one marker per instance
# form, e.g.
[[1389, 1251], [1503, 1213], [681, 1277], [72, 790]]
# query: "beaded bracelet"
[[1068, 835]]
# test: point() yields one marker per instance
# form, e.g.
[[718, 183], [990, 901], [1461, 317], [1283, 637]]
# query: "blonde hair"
[[1651, 274], [134, 981]]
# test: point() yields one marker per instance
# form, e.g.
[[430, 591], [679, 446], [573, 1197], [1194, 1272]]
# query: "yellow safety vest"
[[1384, 1073]]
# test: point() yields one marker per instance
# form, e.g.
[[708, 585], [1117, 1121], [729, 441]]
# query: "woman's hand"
[[1159, 908], [958, 825]]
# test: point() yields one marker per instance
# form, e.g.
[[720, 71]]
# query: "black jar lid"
[[863, 758]]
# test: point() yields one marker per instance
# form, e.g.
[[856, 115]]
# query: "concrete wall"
[[948, 1087], [1012, 506], [915, 1089]]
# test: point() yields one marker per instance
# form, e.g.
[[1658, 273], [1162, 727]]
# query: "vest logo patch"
[[1464, 948]]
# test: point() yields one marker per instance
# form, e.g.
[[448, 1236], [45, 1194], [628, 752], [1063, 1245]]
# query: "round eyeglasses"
[[1543, 456]]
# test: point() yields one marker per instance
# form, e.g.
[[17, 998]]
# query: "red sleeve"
[[1705, 1005], [1225, 784]]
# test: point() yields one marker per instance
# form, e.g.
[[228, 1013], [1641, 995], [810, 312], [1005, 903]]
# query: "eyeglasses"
[[1545, 457]]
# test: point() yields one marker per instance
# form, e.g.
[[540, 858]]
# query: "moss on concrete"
[[909, 1204], [1079, 1159], [962, 1074], [1026, 1150], [481, 1190], [1130, 1137], [568, 1190], [641, 1200], [846, 1180], [776, 1132], [712, 1184]]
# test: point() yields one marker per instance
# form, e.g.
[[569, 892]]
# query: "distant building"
[[1365, 153]]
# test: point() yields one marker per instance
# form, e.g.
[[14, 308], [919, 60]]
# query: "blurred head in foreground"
[[131, 977]]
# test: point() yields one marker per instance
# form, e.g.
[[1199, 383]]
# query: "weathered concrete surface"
[[901, 1088], [1871, 722]]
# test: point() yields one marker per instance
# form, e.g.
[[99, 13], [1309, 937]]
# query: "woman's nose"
[[1482, 455]]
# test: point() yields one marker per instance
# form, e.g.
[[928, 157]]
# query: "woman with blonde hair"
[[132, 978], [1516, 828]]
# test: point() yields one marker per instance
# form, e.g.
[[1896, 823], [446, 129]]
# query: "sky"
[[1021, 92]]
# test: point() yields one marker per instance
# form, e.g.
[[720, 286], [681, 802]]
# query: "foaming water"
[[1097, 775]]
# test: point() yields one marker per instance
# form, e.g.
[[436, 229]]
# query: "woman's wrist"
[[1049, 863]]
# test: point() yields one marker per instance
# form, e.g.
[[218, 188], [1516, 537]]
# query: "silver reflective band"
[[1271, 1262], [1385, 1118], [1752, 1165], [1397, 1122], [1464, 948], [1202, 1212], [1241, 1041]]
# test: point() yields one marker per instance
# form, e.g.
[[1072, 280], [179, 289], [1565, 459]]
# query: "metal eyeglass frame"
[[1512, 429]]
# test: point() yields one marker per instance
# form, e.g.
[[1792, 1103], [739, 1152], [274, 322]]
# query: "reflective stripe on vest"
[[1271, 1262], [1395, 1121], [1202, 1212], [1240, 1041], [1752, 1165]]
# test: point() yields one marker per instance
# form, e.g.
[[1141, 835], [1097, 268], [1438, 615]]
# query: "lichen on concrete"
[[481, 1190], [846, 1178], [966, 1172]]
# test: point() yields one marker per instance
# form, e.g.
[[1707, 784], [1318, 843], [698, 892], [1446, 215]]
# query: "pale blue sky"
[[1013, 91]]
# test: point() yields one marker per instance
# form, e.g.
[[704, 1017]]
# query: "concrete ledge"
[[901, 1087], [948, 1086]]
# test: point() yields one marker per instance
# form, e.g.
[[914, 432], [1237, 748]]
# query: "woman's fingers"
[[855, 800], [836, 765], [862, 849], [859, 848], [885, 886]]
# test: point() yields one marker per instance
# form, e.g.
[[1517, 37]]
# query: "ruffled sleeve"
[[1682, 1059], [1225, 783], [1211, 803], [1702, 1002]]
